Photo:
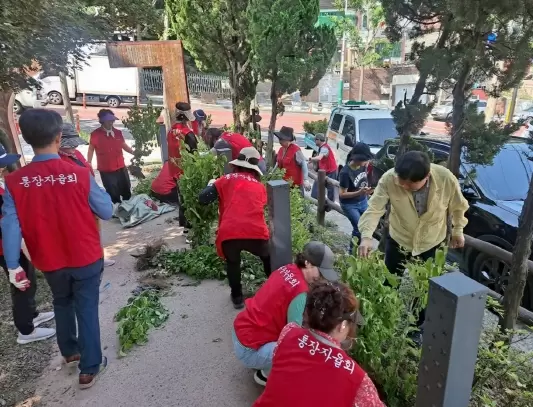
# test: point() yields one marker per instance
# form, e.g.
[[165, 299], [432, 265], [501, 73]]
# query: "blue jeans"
[[76, 297], [353, 212], [260, 359], [330, 189]]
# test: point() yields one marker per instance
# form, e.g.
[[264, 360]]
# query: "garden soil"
[[188, 362]]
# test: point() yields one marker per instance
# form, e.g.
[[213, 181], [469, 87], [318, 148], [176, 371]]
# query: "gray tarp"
[[140, 208]]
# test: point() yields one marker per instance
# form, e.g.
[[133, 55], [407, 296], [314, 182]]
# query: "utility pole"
[[512, 106], [343, 51]]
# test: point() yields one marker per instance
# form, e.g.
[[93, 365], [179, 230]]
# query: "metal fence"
[[199, 84]]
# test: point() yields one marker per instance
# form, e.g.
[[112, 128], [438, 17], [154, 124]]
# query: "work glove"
[[18, 278], [211, 182], [307, 185]]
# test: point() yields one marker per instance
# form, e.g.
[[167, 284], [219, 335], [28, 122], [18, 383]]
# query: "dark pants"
[[117, 184], [232, 252], [171, 198], [395, 260], [353, 212], [76, 298], [330, 189], [181, 211], [23, 302]]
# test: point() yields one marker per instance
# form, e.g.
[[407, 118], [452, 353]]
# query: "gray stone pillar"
[[163, 142], [279, 220], [452, 329]]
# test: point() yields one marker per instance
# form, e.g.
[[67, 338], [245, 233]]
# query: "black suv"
[[496, 194]]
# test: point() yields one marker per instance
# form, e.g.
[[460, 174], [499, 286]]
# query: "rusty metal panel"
[[144, 54]]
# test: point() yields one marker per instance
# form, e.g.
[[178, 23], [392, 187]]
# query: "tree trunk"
[[66, 97], [361, 81], [272, 125], [242, 86], [519, 267], [458, 117]]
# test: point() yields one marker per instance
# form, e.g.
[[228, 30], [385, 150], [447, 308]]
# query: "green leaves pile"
[[142, 313], [201, 263]]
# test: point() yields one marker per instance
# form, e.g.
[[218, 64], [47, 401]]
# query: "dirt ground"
[[21, 365]]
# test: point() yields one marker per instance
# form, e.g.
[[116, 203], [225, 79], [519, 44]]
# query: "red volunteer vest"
[[108, 150], [174, 137], [237, 142], [79, 157], [328, 163], [242, 200], [309, 373], [52, 201], [164, 182], [287, 160], [265, 314]]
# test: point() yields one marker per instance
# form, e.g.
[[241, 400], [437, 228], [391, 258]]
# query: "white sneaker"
[[109, 263], [38, 334], [42, 318]]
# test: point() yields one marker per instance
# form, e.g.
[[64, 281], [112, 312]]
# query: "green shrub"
[[317, 126]]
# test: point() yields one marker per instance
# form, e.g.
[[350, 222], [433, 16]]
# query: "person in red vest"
[[311, 367], [241, 221], [68, 151], [180, 132], [63, 241], [108, 144], [280, 300], [291, 158], [235, 142], [325, 158], [24, 286], [198, 124], [164, 187]]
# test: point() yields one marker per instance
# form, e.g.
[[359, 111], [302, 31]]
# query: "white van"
[[356, 122]]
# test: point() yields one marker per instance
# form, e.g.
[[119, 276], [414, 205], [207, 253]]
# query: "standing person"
[[354, 189], [198, 124], [68, 151], [235, 142], [279, 301], [23, 284], [325, 158], [311, 367], [180, 132], [164, 187], [64, 242], [108, 144], [291, 159], [241, 222]]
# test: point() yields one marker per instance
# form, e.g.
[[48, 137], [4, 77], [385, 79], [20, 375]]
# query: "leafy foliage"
[[142, 313], [201, 263], [316, 126], [142, 123]]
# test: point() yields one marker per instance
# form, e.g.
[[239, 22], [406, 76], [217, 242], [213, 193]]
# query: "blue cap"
[[7, 158], [199, 115]]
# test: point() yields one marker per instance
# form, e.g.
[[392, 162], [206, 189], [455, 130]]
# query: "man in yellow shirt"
[[421, 195]]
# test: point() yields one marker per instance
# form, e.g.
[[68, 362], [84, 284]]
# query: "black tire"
[[488, 271], [55, 98], [17, 107], [113, 101]]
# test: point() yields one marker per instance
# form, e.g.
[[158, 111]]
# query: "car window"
[[336, 122], [348, 128], [374, 132], [507, 179], [481, 104]]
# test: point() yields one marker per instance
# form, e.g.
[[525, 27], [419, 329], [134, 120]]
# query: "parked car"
[[496, 194], [445, 110], [27, 99], [525, 114]]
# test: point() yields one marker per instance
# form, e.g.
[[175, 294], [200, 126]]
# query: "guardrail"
[[524, 315]]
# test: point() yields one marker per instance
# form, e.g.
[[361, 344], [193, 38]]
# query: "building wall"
[[373, 81]]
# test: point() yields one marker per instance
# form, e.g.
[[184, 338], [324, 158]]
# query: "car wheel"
[[113, 101], [55, 98], [17, 107], [494, 274]]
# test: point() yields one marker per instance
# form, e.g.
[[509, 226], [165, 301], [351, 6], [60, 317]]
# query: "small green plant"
[[142, 123], [316, 126], [142, 313], [201, 263], [84, 135], [144, 186]]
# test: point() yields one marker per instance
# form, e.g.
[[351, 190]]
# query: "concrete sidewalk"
[[189, 362]]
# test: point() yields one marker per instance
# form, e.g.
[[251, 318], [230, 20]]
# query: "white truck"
[[99, 83]]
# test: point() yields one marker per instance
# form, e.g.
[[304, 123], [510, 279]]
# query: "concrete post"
[[279, 219], [227, 153], [321, 197], [163, 142], [452, 329]]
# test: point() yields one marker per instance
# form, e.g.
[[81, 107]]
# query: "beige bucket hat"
[[248, 158]]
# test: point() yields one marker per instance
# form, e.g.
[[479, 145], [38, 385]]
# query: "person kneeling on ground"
[[241, 222], [63, 241], [311, 367], [164, 186], [280, 300], [23, 284]]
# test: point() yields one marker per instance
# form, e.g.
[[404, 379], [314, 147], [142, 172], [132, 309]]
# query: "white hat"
[[248, 158]]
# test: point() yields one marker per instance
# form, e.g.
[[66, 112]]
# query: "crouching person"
[[280, 300], [52, 203]]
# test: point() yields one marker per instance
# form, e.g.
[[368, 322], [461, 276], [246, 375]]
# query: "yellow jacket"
[[417, 234]]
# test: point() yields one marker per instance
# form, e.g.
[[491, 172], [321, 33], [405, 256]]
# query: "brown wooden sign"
[[8, 132], [148, 54]]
